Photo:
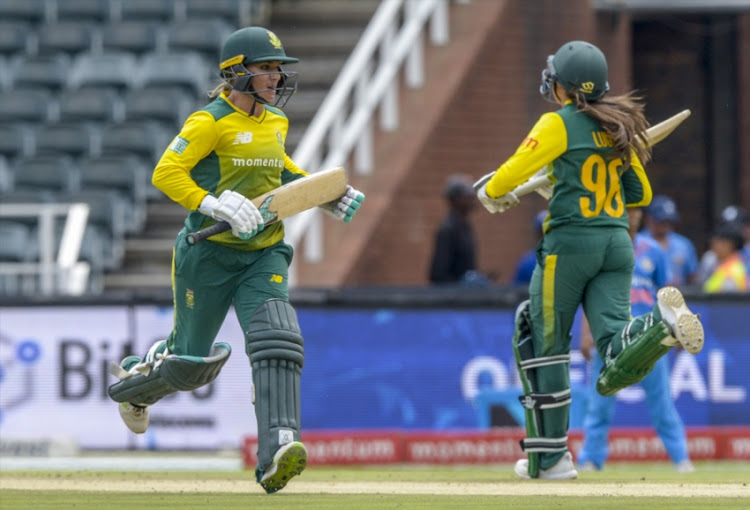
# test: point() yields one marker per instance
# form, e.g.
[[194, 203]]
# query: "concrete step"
[[322, 12], [304, 42], [138, 281]]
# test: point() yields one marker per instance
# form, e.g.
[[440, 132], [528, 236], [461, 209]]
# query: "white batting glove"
[[499, 204], [345, 207], [235, 209]]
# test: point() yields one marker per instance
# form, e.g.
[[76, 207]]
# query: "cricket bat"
[[541, 183], [287, 200]]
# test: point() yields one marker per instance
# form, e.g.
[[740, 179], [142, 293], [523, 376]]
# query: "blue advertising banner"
[[429, 368]]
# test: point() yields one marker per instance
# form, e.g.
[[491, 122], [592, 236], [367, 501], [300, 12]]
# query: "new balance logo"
[[243, 137], [285, 436]]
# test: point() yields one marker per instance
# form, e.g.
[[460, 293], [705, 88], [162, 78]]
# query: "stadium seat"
[[31, 11], [130, 36], [16, 237], [158, 10], [14, 37], [125, 175], [74, 138], [49, 71], [70, 37], [6, 178], [46, 173], [97, 11], [97, 104], [158, 103], [236, 12], [204, 36], [185, 69], [26, 105], [111, 69], [16, 140], [145, 139]]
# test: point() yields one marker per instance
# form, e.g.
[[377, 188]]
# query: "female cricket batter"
[[585, 256], [231, 150]]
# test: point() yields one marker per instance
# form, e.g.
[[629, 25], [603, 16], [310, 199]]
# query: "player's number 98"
[[603, 181]]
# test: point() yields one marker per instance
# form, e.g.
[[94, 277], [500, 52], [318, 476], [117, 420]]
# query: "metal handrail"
[[342, 127], [66, 275]]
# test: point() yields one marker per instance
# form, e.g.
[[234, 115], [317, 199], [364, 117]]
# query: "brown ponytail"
[[622, 118]]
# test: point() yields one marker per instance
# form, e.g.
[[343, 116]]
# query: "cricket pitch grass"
[[633, 486]]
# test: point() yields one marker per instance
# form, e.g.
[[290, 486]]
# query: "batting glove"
[[499, 204], [345, 207], [232, 207]]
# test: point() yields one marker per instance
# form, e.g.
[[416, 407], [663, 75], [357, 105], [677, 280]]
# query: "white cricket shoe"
[[684, 325], [684, 467], [563, 470], [135, 417], [290, 460]]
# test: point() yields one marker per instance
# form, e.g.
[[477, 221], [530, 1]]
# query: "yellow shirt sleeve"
[[546, 141], [172, 173], [635, 184], [290, 165]]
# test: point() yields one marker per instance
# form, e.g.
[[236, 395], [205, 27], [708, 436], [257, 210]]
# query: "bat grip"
[[194, 238]]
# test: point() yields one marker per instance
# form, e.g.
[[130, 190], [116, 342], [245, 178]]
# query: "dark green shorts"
[[208, 277]]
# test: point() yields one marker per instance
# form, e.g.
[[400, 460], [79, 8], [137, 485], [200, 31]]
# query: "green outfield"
[[632, 486]]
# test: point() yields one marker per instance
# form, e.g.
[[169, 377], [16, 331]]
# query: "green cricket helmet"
[[578, 66], [253, 45]]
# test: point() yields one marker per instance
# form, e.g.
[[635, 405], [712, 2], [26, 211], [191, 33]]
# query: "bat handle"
[[194, 238]]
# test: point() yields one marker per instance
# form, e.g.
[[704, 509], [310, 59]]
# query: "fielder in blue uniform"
[[651, 272]]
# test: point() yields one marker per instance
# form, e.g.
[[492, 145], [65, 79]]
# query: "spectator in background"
[[527, 263], [651, 272], [455, 253], [660, 219], [740, 217], [731, 274]]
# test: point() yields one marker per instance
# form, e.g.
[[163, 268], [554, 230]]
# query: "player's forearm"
[[178, 186]]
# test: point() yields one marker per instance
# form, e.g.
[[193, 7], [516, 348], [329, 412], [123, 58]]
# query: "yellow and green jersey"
[[224, 148], [591, 186]]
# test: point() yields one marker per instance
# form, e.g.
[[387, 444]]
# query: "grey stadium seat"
[[130, 36], [31, 11], [14, 37], [16, 237], [16, 140], [49, 71], [204, 36], [127, 176], [82, 10], [145, 139], [71, 37], [158, 10], [185, 69], [158, 103], [111, 69], [25, 105], [48, 173], [97, 104], [74, 138], [236, 12]]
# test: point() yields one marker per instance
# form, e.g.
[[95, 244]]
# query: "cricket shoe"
[[289, 461], [135, 417], [563, 470], [684, 325]]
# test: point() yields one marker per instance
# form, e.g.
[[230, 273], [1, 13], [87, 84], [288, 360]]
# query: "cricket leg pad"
[[644, 341], [546, 411], [162, 373], [275, 347]]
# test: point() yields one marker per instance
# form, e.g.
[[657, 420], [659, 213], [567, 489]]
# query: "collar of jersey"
[[224, 96]]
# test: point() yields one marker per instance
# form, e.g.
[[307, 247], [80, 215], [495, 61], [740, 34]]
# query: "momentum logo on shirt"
[[179, 145]]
